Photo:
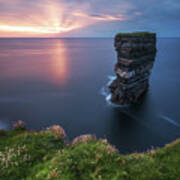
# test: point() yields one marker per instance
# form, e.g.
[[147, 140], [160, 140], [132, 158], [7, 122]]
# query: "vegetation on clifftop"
[[46, 155], [135, 34]]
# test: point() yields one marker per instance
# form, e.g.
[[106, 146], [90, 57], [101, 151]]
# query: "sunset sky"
[[88, 18]]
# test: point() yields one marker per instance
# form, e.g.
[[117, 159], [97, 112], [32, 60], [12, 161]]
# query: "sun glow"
[[50, 18], [29, 29]]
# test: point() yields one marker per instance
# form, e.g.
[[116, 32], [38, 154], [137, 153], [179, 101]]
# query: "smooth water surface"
[[60, 81]]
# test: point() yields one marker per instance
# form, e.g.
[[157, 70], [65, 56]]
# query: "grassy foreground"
[[46, 155]]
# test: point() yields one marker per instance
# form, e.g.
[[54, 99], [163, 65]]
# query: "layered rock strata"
[[135, 58]]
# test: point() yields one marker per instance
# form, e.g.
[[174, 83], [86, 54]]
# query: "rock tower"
[[135, 58]]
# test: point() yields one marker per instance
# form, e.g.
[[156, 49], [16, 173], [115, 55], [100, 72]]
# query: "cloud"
[[22, 17], [63, 18]]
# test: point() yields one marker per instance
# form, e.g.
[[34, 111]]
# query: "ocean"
[[47, 82]]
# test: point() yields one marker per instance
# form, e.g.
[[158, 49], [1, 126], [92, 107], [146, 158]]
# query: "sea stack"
[[135, 58]]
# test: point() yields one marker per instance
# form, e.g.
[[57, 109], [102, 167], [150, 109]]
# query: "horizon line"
[[74, 37]]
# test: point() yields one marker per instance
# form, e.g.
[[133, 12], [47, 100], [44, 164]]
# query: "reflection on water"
[[34, 63], [60, 63], [61, 81]]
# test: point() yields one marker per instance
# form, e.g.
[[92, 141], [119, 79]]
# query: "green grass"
[[135, 34], [46, 156]]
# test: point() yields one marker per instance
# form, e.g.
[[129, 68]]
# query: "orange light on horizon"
[[29, 29], [50, 18]]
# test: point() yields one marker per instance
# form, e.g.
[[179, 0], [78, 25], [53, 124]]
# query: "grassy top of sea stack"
[[135, 34]]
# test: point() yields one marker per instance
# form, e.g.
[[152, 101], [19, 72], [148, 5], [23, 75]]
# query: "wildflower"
[[103, 140], [19, 124], [152, 151], [59, 131], [83, 139], [54, 173], [111, 149], [1, 154]]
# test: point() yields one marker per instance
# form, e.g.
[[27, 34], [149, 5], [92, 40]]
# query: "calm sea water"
[[61, 81]]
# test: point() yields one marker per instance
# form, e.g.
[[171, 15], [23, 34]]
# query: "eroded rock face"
[[135, 58]]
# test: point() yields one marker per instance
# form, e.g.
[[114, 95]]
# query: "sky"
[[88, 18]]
